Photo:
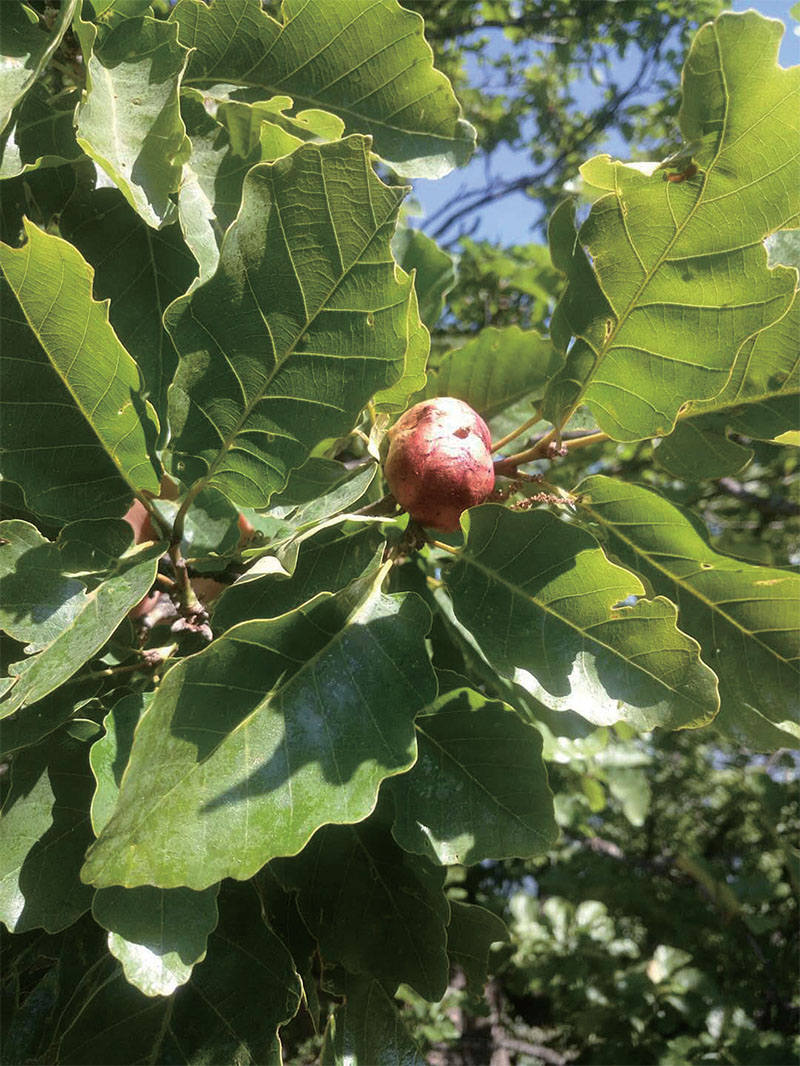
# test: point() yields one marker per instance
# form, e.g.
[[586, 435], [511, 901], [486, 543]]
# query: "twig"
[[548, 447], [538, 1051], [536, 417]]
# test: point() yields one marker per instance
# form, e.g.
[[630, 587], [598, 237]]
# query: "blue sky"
[[510, 220]]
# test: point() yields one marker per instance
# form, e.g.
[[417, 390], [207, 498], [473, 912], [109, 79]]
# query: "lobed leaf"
[[44, 832], [761, 401], [42, 133], [129, 120], [140, 271], [368, 1029], [86, 631], [434, 270], [547, 609], [318, 710], [470, 935], [497, 369], [745, 616], [304, 320], [368, 64], [77, 435], [478, 789], [667, 279], [27, 48], [373, 907]]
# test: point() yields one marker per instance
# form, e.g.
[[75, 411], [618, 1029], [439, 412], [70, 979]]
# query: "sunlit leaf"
[[141, 271], [26, 47], [761, 401], [304, 320], [77, 435], [667, 279], [98, 614], [318, 709], [745, 616], [129, 120], [369, 64], [548, 610]]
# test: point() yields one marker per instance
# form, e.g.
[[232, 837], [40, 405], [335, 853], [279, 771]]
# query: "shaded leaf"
[[327, 563], [42, 132], [44, 831], [667, 279], [546, 608], [77, 435], [93, 546], [373, 907], [318, 710], [129, 120], [368, 1030], [37, 600], [368, 64], [745, 616], [478, 789], [101, 611], [304, 320], [470, 935], [141, 271], [109, 755], [435, 270], [761, 401], [157, 934], [497, 369], [27, 47], [32, 724]]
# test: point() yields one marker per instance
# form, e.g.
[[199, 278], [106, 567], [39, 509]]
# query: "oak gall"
[[439, 461]]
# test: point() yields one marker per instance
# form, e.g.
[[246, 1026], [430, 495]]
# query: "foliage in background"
[[285, 775]]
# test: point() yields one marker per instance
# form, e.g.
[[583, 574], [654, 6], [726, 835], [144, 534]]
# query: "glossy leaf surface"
[[546, 608], [745, 616], [318, 708]]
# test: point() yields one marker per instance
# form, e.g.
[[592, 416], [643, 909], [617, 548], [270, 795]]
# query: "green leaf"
[[44, 832], [630, 787], [42, 133], [318, 710], [478, 789], [27, 49], [547, 609], [304, 320], [497, 369], [32, 724], [328, 562], [77, 435], [368, 1030], [225, 145], [101, 611], [211, 530], [109, 755], [761, 401], [129, 120], [397, 396], [370, 65], [373, 907], [91, 547], [745, 616], [434, 270], [37, 600], [668, 279], [229, 1012], [470, 935], [158, 935], [141, 271]]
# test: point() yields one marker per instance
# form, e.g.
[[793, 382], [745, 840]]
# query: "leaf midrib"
[[280, 362], [515, 590], [681, 583]]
